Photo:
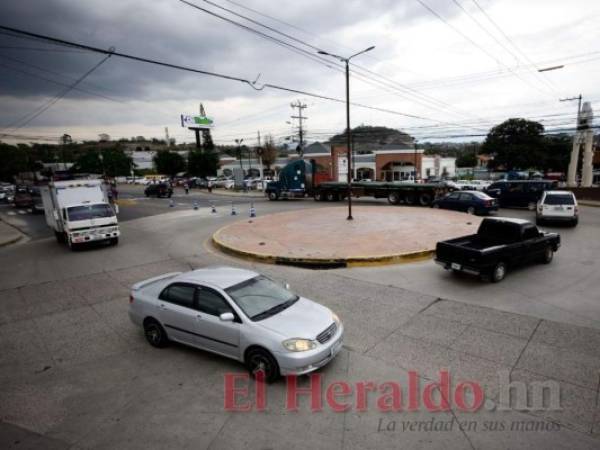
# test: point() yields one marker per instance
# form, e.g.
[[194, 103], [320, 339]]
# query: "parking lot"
[[77, 374]]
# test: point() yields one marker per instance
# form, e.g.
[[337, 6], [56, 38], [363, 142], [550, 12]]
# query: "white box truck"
[[79, 211]]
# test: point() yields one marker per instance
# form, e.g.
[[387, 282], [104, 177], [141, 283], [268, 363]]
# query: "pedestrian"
[[186, 186], [209, 186]]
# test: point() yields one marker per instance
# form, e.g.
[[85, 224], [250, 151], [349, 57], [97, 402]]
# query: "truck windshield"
[[88, 212]]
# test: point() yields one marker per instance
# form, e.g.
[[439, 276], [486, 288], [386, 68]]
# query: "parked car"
[[158, 190], [7, 192], [472, 185], [238, 314], [22, 197], [557, 206], [499, 245], [519, 193], [472, 202], [36, 196]]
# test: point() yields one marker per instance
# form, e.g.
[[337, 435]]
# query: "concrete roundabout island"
[[322, 237]]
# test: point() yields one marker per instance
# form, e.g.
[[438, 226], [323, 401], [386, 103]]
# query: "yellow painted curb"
[[331, 263]]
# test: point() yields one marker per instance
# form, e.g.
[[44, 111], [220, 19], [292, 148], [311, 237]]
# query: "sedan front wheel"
[[259, 360]]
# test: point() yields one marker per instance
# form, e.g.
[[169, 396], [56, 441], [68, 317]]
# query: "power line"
[[204, 72], [23, 121], [387, 83], [475, 44]]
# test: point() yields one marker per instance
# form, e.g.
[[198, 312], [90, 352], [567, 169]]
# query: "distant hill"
[[369, 135]]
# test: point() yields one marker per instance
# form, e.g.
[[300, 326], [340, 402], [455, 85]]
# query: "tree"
[[116, 163], [557, 150], [202, 163], [466, 159], [515, 144], [269, 152], [168, 162], [14, 160], [88, 162]]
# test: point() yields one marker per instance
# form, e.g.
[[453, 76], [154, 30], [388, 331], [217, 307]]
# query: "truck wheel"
[[425, 199], [273, 196], [318, 196], [499, 272], [332, 197], [74, 247], [60, 237], [548, 255], [409, 199], [393, 198]]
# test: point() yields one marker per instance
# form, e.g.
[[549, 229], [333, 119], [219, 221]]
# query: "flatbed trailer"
[[397, 193]]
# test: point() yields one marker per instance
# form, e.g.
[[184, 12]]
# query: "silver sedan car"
[[239, 314]]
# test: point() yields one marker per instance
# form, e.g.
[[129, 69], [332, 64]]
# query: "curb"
[[589, 203], [323, 263], [10, 241]]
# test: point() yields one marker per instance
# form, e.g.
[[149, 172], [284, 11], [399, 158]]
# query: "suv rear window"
[[559, 199]]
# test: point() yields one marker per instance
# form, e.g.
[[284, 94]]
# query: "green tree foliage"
[[466, 159], [365, 134], [202, 163], [110, 161], [269, 151], [169, 163], [515, 144], [557, 153], [14, 160]]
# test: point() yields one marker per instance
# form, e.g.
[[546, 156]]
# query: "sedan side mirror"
[[227, 317]]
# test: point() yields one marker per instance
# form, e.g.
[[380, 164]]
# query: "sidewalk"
[[8, 234], [589, 203]]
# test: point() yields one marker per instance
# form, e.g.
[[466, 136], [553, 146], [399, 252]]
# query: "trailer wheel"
[[332, 197], [318, 196], [425, 199], [393, 198], [273, 196], [409, 199]]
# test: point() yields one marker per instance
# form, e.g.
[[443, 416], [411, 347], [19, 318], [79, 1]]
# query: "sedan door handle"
[[199, 317]]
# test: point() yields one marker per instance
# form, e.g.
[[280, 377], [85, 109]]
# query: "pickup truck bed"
[[500, 243]]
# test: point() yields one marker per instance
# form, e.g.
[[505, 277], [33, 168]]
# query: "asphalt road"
[[567, 290], [75, 373]]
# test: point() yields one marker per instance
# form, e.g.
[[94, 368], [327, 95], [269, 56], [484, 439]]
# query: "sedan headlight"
[[336, 318], [299, 345]]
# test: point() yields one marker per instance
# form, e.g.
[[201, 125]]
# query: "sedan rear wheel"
[[155, 334], [470, 210], [259, 360]]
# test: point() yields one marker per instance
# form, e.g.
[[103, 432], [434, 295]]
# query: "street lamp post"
[[346, 61], [239, 144]]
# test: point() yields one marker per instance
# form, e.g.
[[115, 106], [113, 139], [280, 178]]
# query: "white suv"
[[557, 206]]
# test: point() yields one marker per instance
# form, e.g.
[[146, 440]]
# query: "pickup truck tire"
[[548, 255], [498, 272], [274, 196], [393, 198], [155, 333]]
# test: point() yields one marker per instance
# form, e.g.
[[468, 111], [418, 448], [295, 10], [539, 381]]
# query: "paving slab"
[[323, 236], [569, 337], [499, 347]]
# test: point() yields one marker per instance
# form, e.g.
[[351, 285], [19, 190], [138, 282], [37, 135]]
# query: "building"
[[386, 162]]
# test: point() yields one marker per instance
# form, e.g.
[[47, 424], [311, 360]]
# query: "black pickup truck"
[[500, 244]]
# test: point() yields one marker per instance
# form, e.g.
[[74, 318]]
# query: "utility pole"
[[574, 162], [239, 144], [259, 154], [300, 118]]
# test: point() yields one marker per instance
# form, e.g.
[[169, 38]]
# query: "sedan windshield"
[[261, 297], [88, 212]]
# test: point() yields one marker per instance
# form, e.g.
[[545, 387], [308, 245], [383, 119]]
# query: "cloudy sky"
[[459, 66]]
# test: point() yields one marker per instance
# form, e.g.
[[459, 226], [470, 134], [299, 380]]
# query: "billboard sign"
[[188, 121]]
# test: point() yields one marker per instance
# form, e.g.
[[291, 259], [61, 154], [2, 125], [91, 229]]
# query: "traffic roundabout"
[[324, 238]]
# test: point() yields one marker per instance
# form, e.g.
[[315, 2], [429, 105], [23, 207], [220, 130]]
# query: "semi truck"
[[299, 179], [79, 212]]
